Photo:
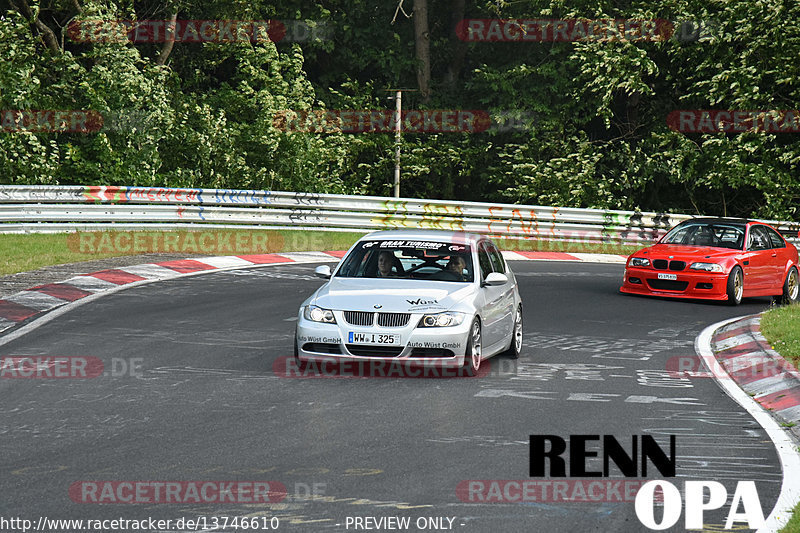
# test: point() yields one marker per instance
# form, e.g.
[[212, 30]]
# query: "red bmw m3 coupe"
[[716, 259]]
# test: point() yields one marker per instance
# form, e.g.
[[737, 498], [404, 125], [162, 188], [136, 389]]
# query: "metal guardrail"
[[39, 209]]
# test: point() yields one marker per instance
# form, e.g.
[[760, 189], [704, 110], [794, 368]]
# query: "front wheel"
[[791, 287], [472, 357], [735, 286], [301, 365], [515, 349]]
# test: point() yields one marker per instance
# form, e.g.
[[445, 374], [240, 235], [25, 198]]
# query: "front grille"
[[359, 318], [393, 320], [374, 351], [321, 347], [677, 265], [431, 352], [663, 264], [667, 285]]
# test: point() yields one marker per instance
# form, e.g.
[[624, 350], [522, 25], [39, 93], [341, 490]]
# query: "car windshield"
[[409, 259], [718, 235]]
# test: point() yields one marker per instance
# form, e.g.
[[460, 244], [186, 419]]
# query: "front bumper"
[[689, 284], [442, 347]]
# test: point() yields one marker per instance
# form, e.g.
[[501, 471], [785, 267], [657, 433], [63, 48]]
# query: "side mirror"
[[495, 278], [323, 271]]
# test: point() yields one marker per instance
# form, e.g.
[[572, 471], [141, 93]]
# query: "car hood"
[[398, 296], [688, 253]]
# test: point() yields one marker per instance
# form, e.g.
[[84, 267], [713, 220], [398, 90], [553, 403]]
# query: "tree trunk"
[[458, 46], [423, 49], [168, 43], [48, 36]]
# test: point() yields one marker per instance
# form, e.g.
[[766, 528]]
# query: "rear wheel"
[[472, 357], [735, 286], [791, 287], [516, 336]]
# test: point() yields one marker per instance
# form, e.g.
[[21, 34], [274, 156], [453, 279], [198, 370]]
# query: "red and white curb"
[[719, 345], [42, 300], [563, 256], [739, 346]]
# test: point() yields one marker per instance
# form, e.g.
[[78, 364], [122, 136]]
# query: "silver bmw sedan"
[[438, 299]]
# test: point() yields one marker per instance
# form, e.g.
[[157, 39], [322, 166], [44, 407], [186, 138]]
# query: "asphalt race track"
[[196, 397]]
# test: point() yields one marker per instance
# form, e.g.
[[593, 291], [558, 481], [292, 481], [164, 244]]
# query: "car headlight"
[[318, 314], [708, 267], [441, 320], [640, 262]]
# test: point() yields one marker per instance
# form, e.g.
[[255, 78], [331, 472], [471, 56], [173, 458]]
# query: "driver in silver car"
[[456, 265]]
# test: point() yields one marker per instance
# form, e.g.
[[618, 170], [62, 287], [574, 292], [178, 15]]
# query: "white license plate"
[[355, 337], [672, 277]]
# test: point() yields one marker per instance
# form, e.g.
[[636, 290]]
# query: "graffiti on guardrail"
[[307, 198], [114, 194], [63, 208], [39, 194], [394, 206]]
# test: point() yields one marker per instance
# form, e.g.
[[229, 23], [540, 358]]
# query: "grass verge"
[[22, 253], [26, 252], [794, 523], [781, 327]]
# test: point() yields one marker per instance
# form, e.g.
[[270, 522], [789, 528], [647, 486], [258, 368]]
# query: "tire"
[[515, 349], [735, 286], [301, 365], [791, 288], [472, 357]]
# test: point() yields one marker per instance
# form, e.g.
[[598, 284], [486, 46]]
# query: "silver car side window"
[[497, 259], [484, 261]]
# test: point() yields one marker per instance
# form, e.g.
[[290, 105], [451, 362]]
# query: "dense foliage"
[[576, 123]]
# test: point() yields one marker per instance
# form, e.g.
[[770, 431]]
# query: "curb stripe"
[[264, 259], [548, 256], [117, 276], [89, 283], [782, 399], [15, 312], [770, 385], [225, 261], [792, 413], [35, 300], [185, 265], [62, 291], [150, 271]]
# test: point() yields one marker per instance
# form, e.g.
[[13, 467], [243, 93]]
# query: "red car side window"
[[774, 237], [759, 240]]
